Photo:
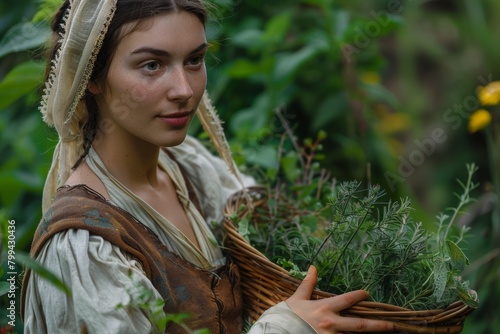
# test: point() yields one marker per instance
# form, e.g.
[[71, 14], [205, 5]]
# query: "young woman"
[[136, 196]]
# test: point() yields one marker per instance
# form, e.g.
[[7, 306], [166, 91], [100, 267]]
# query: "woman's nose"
[[180, 86]]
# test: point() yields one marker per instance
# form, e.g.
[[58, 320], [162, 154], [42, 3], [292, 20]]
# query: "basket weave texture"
[[264, 283]]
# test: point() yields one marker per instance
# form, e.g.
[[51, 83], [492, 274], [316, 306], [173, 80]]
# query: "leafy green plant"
[[429, 66], [294, 54], [358, 241]]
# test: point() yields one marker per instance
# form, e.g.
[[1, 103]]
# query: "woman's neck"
[[133, 163]]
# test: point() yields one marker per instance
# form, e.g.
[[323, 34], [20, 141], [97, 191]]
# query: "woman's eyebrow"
[[163, 53], [199, 48]]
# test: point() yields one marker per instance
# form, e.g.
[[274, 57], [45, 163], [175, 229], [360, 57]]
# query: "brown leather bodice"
[[212, 298]]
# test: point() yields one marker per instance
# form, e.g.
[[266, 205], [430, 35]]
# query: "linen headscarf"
[[84, 27]]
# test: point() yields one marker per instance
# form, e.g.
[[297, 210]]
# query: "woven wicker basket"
[[264, 284]]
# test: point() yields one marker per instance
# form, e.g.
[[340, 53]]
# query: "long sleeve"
[[103, 282], [279, 319]]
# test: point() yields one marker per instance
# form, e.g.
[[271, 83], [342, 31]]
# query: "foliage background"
[[379, 77]]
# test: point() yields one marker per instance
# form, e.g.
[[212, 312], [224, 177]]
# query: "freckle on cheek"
[[137, 94]]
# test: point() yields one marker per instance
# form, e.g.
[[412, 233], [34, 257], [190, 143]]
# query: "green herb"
[[358, 241]]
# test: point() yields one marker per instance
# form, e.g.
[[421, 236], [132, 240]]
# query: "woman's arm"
[[103, 282], [281, 319]]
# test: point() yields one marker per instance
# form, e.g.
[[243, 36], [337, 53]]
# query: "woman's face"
[[155, 81]]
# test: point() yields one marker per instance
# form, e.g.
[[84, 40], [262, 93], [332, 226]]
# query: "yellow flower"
[[370, 77], [480, 119], [489, 95], [392, 123]]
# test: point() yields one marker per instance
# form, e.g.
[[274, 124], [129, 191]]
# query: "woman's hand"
[[323, 315]]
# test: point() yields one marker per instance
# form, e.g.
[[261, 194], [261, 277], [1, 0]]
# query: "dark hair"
[[127, 11]]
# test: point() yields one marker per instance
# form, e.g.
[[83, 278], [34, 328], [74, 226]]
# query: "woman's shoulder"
[[83, 175]]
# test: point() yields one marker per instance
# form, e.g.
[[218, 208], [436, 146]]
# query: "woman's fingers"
[[305, 289], [339, 303], [323, 315], [346, 300], [361, 325]]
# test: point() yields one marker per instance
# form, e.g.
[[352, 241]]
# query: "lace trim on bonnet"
[[83, 27]]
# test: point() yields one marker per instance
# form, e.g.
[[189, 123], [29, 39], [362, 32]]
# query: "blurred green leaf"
[[4, 288], [289, 165], [342, 19], [11, 188], [20, 81], [43, 272], [250, 38], [242, 68], [250, 121], [24, 36], [363, 32], [263, 155], [350, 147], [17, 182], [276, 28], [243, 227], [379, 93], [46, 9], [289, 63], [330, 108], [202, 331]]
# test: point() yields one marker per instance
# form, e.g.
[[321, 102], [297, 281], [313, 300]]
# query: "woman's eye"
[[152, 66], [196, 60]]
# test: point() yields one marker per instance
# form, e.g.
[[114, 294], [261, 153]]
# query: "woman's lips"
[[176, 120]]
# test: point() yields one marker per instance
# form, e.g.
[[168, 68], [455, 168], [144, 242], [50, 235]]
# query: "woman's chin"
[[174, 141]]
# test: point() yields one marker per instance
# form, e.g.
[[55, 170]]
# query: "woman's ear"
[[94, 88]]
